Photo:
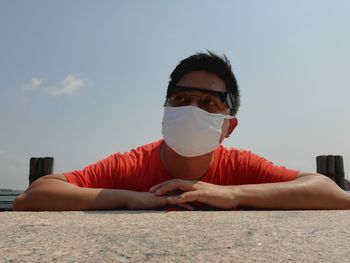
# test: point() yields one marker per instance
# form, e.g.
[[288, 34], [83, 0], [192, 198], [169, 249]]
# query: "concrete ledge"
[[205, 236]]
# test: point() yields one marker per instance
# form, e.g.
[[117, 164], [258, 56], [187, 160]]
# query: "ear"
[[233, 124]]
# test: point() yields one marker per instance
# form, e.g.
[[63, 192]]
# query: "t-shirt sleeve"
[[256, 169], [102, 174]]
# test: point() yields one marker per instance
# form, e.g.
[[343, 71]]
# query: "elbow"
[[24, 201], [21, 203]]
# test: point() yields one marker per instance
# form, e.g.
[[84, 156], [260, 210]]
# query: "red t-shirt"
[[142, 168]]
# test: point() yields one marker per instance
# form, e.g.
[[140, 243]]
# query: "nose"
[[195, 101]]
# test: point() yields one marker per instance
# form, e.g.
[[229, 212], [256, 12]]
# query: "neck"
[[188, 168]]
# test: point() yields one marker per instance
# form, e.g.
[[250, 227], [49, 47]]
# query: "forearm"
[[56, 195], [306, 192]]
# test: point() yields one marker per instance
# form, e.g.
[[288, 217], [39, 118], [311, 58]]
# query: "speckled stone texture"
[[156, 236]]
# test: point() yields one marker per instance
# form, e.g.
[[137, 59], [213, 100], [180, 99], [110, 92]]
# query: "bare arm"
[[308, 191], [54, 193]]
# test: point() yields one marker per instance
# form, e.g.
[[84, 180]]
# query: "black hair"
[[213, 63]]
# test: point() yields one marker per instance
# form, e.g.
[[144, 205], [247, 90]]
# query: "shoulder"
[[132, 158], [235, 153], [253, 168], [147, 148], [140, 151], [237, 157]]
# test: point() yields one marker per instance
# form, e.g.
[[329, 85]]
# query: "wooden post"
[[40, 167]]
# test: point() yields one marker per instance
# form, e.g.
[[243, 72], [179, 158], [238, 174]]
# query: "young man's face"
[[211, 82]]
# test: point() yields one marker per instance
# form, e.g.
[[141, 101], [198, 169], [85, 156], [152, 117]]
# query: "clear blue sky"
[[80, 80]]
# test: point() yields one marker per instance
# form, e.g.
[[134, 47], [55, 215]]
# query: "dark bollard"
[[339, 171], [321, 162], [332, 167], [40, 167]]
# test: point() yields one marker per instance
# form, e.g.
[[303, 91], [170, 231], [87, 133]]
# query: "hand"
[[196, 191], [145, 200]]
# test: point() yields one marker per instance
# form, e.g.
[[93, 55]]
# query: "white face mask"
[[191, 131]]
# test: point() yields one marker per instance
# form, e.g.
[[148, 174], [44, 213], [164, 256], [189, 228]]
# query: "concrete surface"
[[156, 236]]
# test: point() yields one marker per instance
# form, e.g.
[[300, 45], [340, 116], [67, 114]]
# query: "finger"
[[186, 206], [183, 198], [174, 193], [157, 186], [177, 185], [161, 201]]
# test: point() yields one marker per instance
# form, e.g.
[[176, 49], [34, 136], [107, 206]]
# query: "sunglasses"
[[211, 100]]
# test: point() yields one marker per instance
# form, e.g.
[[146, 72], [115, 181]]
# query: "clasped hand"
[[186, 194]]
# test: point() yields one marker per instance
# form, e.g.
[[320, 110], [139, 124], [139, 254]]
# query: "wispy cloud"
[[69, 86], [33, 85]]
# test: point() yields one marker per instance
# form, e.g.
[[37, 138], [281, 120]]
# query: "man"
[[189, 168]]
